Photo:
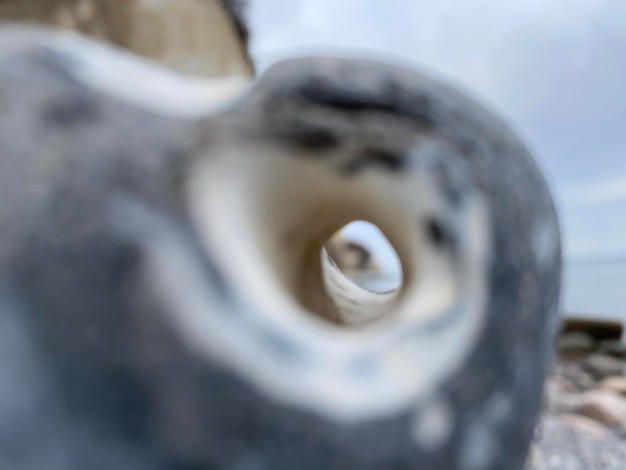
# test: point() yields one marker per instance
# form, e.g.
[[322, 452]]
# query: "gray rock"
[[613, 348], [133, 346], [601, 366], [575, 374], [615, 384], [576, 343]]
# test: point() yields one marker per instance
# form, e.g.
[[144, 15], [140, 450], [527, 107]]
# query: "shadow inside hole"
[[365, 256]]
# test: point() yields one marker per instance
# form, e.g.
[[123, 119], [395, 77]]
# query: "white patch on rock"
[[545, 242], [143, 83], [479, 447], [23, 380], [499, 408], [433, 425]]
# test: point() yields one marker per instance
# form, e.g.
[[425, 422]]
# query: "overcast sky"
[[555, 69]]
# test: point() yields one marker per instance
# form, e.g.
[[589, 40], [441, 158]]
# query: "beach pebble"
[[557, 393], [576, 343], [601, 366], [615, 384], [604, 406], [579, 378], [613, 348], [585, 425]]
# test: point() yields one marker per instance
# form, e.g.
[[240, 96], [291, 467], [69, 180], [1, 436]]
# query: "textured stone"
[[556, 392], [601, 366], [577, 376], [584, 424], [604, 406], [615, 384], [613, 348], [575, 343], [562, 447]]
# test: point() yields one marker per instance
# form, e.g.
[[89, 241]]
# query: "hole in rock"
[[362, 274], [363, 254]]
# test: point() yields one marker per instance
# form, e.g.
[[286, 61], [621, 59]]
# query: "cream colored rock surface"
[[615, 384], [606, 407], [585, 425], [197, 37], [602, 367], [356, 306]]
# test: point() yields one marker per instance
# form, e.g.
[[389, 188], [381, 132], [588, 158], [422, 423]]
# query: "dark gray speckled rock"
[[127, 339]]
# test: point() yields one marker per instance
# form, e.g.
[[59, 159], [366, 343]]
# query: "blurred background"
[[553, 68]]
